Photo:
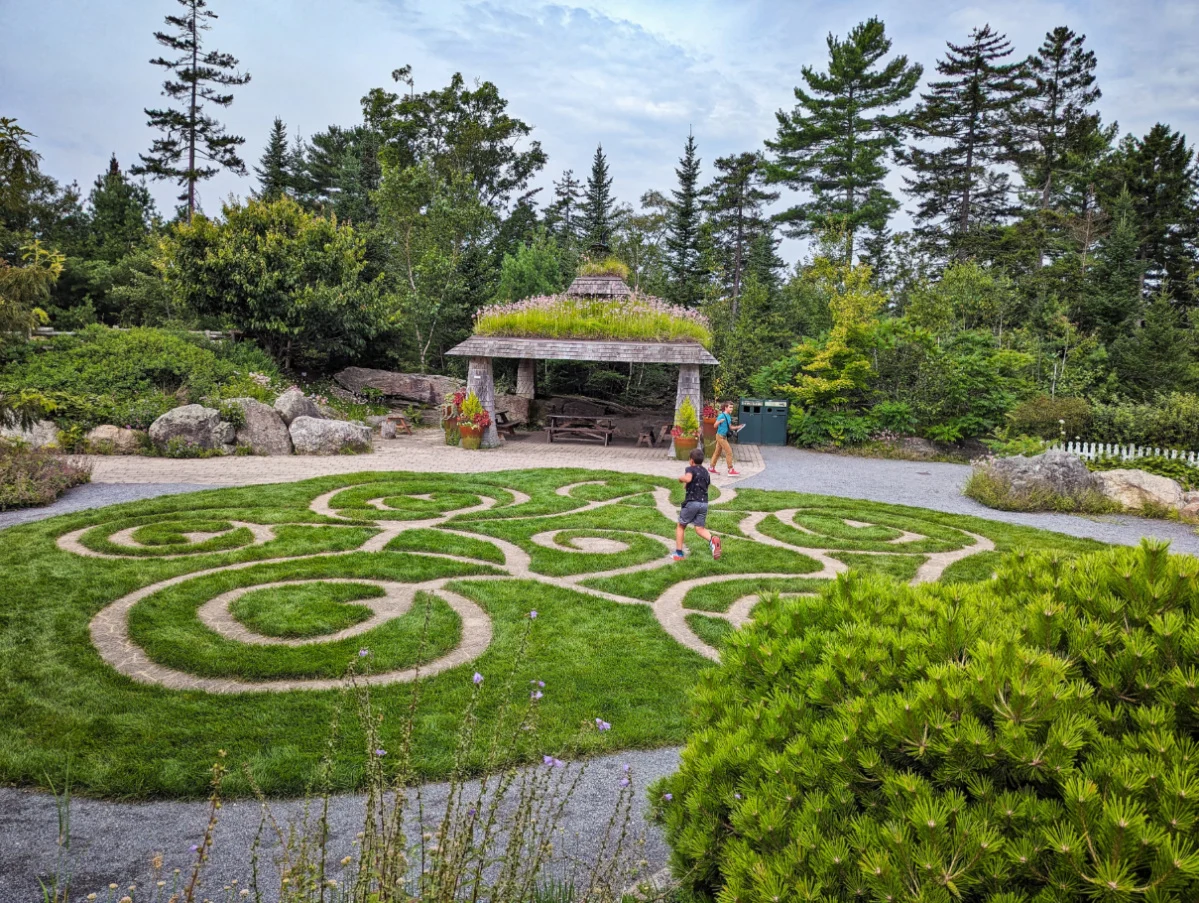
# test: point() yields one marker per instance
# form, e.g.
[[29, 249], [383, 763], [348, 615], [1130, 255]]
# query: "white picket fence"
[[1088, 451]]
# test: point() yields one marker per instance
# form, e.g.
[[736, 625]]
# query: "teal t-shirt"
[[723, 423]]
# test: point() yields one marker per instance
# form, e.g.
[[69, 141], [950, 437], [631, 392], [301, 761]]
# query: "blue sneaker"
[[677, 556]]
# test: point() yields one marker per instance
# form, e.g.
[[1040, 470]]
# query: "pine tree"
[[957, 183], [562, 217], [834, 143], [1157, 356], [1160, 174], [120, 216], [194, 145], [1113, 293], [273, 171], [682, 230], [597, 221], [734, 202], [1057, 138]]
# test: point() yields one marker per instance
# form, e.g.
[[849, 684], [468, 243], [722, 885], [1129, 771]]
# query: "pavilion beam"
[[481, 381], [689, 387]]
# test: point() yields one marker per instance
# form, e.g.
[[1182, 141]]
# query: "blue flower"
[[536, 694], [533, 615], [380, 752], [362, 653], [478, 678], [602, 725]]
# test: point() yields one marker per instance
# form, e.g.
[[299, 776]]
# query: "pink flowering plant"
[[634, 318]]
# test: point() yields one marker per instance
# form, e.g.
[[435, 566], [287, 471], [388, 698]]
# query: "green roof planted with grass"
[[633, 317]]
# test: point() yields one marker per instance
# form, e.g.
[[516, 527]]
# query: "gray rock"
[[387, 430], [42, 434], [1138, 489], [293, 403], [194, 425], [1189, 511], [314, 436], [917, 447], [1054, 470], [1188, 497], [409, 386], [114, 440], [264, 430]]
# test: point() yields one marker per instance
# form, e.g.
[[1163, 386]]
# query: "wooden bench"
[[504, 426], [575, 426]]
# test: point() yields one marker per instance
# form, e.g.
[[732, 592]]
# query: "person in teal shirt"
[[724, 425]]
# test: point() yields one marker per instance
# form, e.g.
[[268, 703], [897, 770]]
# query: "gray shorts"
[[693, 514]]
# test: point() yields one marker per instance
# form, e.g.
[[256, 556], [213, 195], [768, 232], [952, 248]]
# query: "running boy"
[[724, 425], [695, 506]]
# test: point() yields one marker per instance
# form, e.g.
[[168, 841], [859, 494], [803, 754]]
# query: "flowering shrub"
[[635, 318], [34, 476], [1031, 737], [710, 412], [472, 412]]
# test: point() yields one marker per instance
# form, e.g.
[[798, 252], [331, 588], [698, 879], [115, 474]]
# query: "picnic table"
[[578, 426]]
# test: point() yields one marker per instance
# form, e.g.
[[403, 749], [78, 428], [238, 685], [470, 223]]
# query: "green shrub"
[[1170, 421], [1042, 416], [1028, 739], [609, 266], [994, 490], [131, 377], [1017, 445], [30, 476], [1186, 475]]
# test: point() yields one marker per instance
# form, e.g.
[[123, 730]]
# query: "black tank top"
[[697, 489]]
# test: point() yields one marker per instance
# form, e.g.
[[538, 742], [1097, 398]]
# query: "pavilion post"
[[526, 378], [688, 388], [481, 381]]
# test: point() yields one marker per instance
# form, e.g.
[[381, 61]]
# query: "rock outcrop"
[[195, 426], [114, 440], [1055, 470], [314, 436], [263, 430], [408, 386], [293, 403], [42, 434], [1138, 489]]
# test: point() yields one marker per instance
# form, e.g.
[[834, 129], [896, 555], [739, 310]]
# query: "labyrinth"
[[138, 640]]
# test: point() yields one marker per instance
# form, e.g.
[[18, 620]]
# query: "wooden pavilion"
[[689, 356]]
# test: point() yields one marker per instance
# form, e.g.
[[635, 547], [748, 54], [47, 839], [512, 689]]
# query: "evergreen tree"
[[1113, 293], [834, 143], [956, 182], [274, 169], [1157, 356], [338, 171], [734, 202], [1057, 139], [682, 231], [563, 216], [597, 220], [121, 214], [1159, 173], [194, 145]]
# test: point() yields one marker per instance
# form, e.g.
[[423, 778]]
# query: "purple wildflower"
[[362, 653], [380, 752], [602, 725], [624, 782], [478, 678], [736, 796], [536, 694], [668, 796], [195, 847], [547, 760], [471, 812], [533, 615]]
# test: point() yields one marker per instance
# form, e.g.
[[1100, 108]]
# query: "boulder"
[[115, 440], [293, 403], [924, 449], [409, 386], [1189, 511], [193, 425], [1054, 470], [387, 430], [518, 408], [1138, 489], [314, 436], [42, 434], [1188, 497], [264, 430]]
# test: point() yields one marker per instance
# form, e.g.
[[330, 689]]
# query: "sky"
[[634, 75]]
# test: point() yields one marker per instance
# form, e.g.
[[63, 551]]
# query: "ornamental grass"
[[636, 318]]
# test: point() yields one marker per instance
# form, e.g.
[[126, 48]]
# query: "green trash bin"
[[774, 421], [750, 415]]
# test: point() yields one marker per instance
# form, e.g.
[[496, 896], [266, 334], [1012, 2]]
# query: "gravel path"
[[114, 841], [97, 495], [939, 486]]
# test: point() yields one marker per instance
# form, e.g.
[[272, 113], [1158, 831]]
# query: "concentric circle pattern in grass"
[[139, 640]]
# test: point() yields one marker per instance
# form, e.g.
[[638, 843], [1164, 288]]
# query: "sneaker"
[[715, 544], [677, 556], [734, 473], [711, 470]]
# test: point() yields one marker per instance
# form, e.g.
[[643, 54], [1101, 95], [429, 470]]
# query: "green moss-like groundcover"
[[64, 709]]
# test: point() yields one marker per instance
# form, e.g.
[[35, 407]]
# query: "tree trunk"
[[479, 379], [191, 132]]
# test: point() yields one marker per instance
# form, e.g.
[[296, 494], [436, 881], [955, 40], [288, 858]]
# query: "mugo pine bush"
[[1030, 739]]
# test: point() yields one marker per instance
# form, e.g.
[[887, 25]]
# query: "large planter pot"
[[709, 447], [683, 446], [452, 436], [472, 435], [709, 427]]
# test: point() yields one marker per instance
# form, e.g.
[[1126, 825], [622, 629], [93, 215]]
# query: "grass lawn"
[[596, 561]]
